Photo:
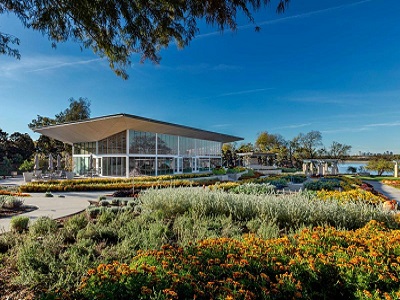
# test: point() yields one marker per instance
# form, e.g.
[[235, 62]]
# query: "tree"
[[267, 142], [20, 145], [229, 156], [117, 28], [338, 150], [351, 169], [309, 143], [380, 165], [77, 110]]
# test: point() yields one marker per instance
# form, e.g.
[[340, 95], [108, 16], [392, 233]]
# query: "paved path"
[[54, 207], [387, 190]]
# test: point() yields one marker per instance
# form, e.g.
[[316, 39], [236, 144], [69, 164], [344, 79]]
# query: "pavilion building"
[[125, 145]]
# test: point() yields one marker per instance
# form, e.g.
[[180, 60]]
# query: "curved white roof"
[[95, 129]]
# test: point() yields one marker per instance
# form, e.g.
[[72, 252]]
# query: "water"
[[343, 168]]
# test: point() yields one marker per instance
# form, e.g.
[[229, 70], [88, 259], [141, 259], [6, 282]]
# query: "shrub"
[[219, 171], [322, 263], [102, 198], [19, 223], [43, 226], [104, 203], [73, 225], [254, 189], [11, 202], [322, 184], [279, 183]]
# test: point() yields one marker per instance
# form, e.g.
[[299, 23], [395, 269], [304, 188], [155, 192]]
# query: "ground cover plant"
[[53, 258], [112, 184], [13, 205]]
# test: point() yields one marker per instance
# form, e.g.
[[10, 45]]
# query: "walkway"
[[387, 190], [54, 207]]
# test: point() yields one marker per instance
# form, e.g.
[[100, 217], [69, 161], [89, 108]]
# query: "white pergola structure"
[[320, 167], [396, 168]]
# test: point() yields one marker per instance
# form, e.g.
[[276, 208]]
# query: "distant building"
[[126, 145]]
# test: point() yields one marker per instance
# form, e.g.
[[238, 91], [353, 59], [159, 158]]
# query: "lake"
[[357, 164]]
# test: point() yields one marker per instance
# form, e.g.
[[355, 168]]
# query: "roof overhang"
[[96, 129]]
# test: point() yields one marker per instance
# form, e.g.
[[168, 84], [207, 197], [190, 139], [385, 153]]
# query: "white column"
[[156, 157], [320, 169], [325, 169], [127, 155], [396, 169]]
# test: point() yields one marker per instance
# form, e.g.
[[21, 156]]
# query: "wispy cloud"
[[234, 93], [293, 126], [35, 64], [389, 124], [221, 125], [203, 67], [364, 127], [303, 15], [64, 64]]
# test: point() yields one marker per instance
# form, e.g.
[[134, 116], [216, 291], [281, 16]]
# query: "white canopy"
[[96, 129]]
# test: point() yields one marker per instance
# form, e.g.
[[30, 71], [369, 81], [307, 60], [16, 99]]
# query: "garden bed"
[[10, 212]]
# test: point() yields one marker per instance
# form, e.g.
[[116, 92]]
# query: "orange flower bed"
[[16, 194], [322, 263]]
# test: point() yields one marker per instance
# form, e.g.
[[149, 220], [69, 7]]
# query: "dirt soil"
[[10, 212]]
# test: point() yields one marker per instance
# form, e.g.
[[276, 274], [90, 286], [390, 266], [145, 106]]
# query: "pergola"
[[320, 166]]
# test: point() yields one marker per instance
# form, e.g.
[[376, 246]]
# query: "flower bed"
[[356, 195], [322, 263]]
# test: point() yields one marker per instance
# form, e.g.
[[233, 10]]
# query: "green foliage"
[[219, 171], [19, 223], [117, 30], [27, 166], [380, 165], [11, 202], [190, 227], [43, 226], [48, 194], [322, 184], [177, 216], [235, 170], [254, 189]]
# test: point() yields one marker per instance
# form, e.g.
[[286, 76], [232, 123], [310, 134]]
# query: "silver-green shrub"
[[288, 211], [11, 202]]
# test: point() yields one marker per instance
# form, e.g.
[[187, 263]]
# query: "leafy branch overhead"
[[115, 29]]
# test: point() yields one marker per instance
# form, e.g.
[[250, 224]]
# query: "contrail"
[[65, 64], [303, 15]]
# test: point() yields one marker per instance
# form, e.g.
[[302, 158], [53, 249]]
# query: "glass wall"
[[142, 142], [81, 165], [215, 162], [204, 164], [115, 144], [167, 144], [114, 166], [166, 165], [85, 148], [142, 166]]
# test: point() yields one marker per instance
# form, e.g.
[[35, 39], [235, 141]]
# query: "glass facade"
[[142, 142], [148, 154], [114, 166], [115, 144], [85, 148]]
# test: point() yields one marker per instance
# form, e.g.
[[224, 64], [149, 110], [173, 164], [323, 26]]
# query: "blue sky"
[[331, 66]]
